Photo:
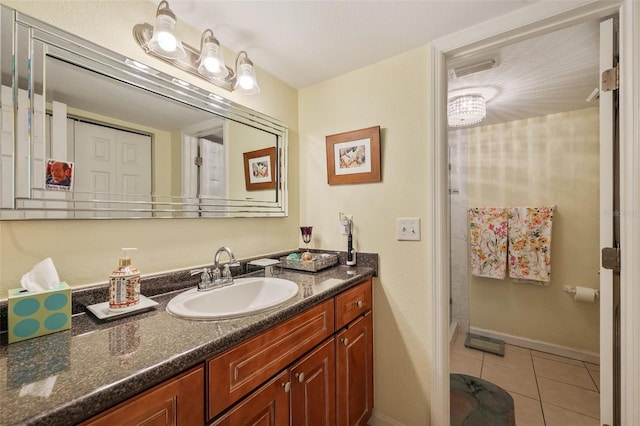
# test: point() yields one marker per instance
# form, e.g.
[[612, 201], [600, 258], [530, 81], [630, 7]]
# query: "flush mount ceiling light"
[[161, 42], [466, 110]]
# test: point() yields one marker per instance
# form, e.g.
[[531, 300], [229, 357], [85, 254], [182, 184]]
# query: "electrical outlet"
[[408, 229], [343, 225]]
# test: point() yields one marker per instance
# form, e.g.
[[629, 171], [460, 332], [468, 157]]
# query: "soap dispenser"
[[124, 283]]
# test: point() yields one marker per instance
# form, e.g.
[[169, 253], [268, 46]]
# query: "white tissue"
[[43, 276]]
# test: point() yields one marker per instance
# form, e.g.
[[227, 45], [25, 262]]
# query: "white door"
[[112, 165], [609, 280], [212, 182]]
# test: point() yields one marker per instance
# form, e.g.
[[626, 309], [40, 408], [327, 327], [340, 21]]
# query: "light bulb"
[[165, 38], [212, 64]]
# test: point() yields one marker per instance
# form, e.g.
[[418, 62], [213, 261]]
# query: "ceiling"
[[305, 42], [552, 73]]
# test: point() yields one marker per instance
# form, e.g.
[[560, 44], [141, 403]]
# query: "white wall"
[[391, 94], [85, 252]]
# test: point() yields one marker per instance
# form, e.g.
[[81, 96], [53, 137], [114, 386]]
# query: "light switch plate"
[[408, 228]]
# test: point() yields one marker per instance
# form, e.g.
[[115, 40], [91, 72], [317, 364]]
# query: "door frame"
[[533, 20]]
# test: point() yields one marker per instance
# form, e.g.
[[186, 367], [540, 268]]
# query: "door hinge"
[[611, 258], [197, 161], [610, 79]]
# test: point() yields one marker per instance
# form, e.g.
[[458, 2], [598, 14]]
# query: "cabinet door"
[[179, 401], [267, 406], [313, 388], [238, 371], [354, 370]]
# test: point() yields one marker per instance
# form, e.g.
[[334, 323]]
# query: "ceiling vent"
[[461, 71]]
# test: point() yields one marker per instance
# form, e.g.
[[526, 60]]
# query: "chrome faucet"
[[224, 278], [213, 279]]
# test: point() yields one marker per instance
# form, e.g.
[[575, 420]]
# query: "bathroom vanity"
[[310, 358]]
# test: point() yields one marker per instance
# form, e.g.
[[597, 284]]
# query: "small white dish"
[[103, 311]]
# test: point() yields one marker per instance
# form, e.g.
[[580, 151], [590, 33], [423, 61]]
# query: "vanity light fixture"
[[246, 81], [211, 60], [466, 110], [164, 42], [160, 42]]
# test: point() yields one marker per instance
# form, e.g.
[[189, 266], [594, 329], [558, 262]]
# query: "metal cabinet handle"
[[359, 303], [344, 341], [286, 386], [300, 377]]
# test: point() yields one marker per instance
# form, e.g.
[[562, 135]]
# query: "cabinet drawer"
[[353, 303], [175, 402], [235, 373]]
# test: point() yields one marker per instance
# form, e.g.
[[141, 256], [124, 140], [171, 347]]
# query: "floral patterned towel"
[[488, 237], [530, 243]]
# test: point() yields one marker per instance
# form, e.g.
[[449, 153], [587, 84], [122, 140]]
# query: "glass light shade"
[[246, 79], [164, 42], [466, 110], [211, 61]]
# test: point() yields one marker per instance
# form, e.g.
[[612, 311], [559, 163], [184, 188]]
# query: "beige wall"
[[391, 94], [85, 251], [545, 160]]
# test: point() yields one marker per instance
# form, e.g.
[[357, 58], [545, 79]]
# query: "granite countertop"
[[69, 376]]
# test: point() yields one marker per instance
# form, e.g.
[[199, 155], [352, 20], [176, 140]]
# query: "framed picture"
[[354, 157], [259, 169], [59, 175]]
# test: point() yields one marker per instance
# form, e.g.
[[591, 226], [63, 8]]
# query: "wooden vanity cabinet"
[[236, 372], [354, 372], [267, 406], [178, 401], [313, 387], [354, 355], [301, 395], [313, 369]]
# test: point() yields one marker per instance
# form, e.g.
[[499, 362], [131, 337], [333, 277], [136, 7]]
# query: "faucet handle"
[[215, 275], [199, 271], [226, 272]]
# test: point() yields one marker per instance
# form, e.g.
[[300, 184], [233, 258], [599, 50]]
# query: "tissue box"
[[36, 313]]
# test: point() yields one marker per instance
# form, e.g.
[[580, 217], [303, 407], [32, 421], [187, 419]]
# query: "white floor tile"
[[546, 389], [565, 373], [556, 416]]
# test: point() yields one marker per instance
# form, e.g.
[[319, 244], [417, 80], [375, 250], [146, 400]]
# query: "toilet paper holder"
[[572, 290]]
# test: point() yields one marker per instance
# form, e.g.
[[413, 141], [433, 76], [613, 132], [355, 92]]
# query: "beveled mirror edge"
[[67, 46]]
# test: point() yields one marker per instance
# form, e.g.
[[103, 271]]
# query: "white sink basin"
[[244, 297]]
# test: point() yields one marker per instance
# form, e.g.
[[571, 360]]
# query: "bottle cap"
[[125, 260]]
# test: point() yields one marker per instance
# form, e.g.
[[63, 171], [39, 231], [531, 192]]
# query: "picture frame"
[[354, 157], [260, 169], [59, 175]]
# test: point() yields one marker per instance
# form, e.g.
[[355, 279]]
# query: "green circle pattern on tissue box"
[[33, 314]]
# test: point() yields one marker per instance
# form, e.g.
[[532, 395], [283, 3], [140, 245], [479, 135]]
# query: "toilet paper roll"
[[585, 294]]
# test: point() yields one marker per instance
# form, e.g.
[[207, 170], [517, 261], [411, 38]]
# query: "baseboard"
[[537, 345], [453, 331], [378, 419]]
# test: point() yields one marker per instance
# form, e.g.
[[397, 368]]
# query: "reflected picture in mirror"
[[259, 172], [59, 175]]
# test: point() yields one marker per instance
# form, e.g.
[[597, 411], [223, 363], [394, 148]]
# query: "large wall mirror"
[[88, 133]]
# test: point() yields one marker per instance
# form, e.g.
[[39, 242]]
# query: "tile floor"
[[547, 390]]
